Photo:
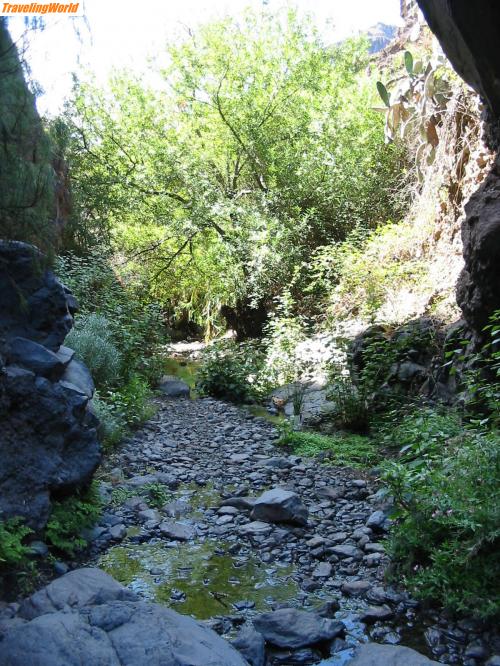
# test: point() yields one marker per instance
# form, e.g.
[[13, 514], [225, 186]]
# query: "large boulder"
[[280, 506], [78, 588], [96, 626], [48, 440], [373, 654], [291, 628]]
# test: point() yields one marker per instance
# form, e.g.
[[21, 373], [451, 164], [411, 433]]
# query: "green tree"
[[257, 146]]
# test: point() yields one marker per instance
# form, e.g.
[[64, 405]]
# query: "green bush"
[[134, 326], [342, 449], [351, 408], [447, 532], [13, 552], [132, 402], [91, 340], [70, 517], [230, 371], [112, 426]]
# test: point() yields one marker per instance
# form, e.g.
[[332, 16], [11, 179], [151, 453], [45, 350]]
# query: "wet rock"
[[280, 506], [291, 628], [251, 645]]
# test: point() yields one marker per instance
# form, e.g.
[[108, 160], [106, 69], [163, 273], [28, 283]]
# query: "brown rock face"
[[478, 289], [468, 33]]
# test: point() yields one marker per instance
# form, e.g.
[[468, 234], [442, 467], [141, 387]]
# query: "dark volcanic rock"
[[291, 628], [48, 441], [33, 303], [468, 33], [280, 506], [478, 289]]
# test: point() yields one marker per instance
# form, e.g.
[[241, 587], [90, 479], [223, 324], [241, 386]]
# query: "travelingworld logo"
[[40, 9]]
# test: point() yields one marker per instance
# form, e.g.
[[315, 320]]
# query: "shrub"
[[351, 409], [447, 531], [132, 403], [230, 371], [70, 517], [342, 449], [112, 426], [12, 550], [91, 340]]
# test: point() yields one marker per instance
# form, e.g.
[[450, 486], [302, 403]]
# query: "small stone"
[[118, 532], [376, 613], [176, 531], [356, 588], [323, 570]]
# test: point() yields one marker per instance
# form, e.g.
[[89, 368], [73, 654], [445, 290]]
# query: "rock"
[[255, 528], [174, 387], [39, 548], [377, 520], [176, 531], [48, 439], [251, 645], [478, 288], [34, 357], [39, 308], [118, 532], [373, 654], [65, 355], [48, 444], [78, 588], [241, 503], [376, 613], [77, 373], [345, 551], [469, 39], [291, 628], [323, 570], [114, 634], [280, 506], [356, 588]]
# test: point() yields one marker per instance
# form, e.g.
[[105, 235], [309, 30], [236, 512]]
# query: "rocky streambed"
[[208, 516]]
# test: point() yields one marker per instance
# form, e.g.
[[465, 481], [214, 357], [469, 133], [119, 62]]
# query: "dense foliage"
[[258, 146], [26, 174]]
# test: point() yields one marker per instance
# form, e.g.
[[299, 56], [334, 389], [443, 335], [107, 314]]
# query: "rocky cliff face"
[[468, 33], [48, 442]]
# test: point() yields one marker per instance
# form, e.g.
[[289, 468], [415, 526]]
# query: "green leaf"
[[409, 63], [384, 93]]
